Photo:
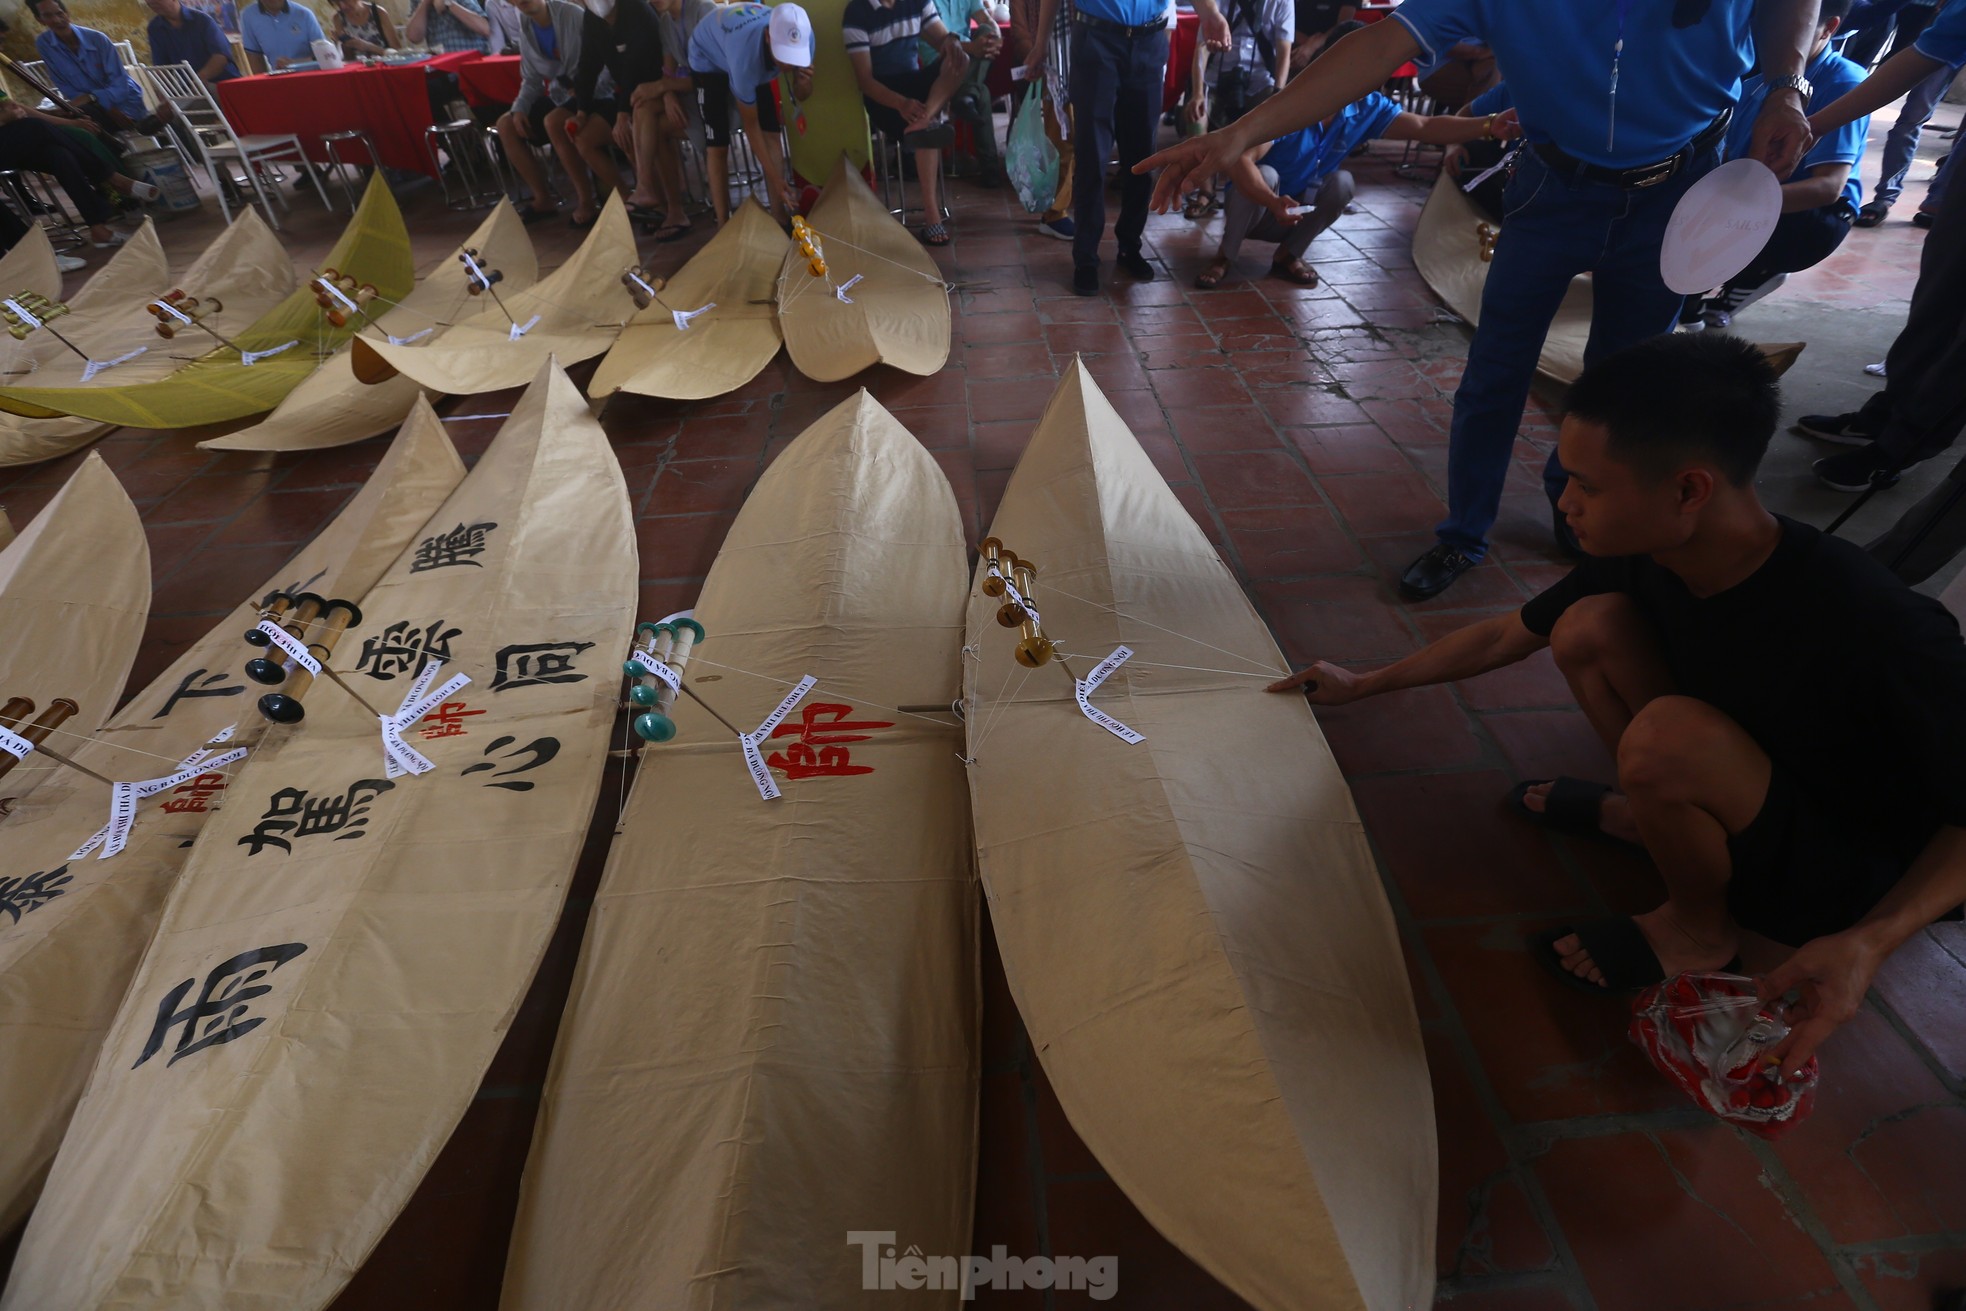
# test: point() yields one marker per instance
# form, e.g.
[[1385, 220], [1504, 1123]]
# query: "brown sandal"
[[1296, 271], [1213, 276]]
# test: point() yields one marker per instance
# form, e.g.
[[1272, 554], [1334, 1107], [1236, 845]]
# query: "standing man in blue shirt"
[[1819, 200], [182, 35], [89, 73], [1119, 66], [1624, 105], [1923, 405], [277, 33]]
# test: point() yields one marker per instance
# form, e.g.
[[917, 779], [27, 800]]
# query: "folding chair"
[[216, 140]]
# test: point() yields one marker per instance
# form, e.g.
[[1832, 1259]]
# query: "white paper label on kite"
[[292, 645], [521, 329], [682, 317], [123, 797], [842, 290], [648, 662], [335, 291], [394, 340], [1016, 597], [93, 367], [15, 745], [254, 357], [1090, 684], [171, 310], [399, 757], [755, 762], [20, 312]]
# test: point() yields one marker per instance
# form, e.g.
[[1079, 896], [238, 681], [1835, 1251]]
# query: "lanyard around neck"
[[1617, 55]]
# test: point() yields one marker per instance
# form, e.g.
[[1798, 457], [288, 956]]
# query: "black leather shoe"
[[1085, 279], [1873, 214], [1434, 572], [1135, 265]]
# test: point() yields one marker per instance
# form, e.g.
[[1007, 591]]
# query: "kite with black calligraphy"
[[1191, 921], [103, 863], [348, 943]]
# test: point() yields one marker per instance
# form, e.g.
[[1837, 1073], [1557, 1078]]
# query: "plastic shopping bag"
[[1030, 160], [1710, 1035]]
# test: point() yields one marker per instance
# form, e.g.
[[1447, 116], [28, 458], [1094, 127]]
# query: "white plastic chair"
[[127, 52], [180, 84]]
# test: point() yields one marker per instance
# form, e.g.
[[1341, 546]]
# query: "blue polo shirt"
[[731, 40], [1308, 156], [192, 42], [94, 69], [289, 34], [1831, 75], [1128, 13], [1945, 39], [1672, 81]]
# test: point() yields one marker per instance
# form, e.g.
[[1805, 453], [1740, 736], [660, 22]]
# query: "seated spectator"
[[85, 68], [182, 35], [446, 26], [1819, 199], [735, 55], [1694, 635], [278, 34], [503, 39], [664, 112], [363, 27], [1312, 20], [627, 54], [982, 41], [1306, 168], [904, 98], [550, 47], [32, 142]]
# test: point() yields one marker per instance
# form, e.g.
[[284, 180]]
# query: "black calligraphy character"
[[214, 1017], [401, 649], [452, 547], [196, 684], [292, 813], [541, 749], [529, 664], [19, 896]]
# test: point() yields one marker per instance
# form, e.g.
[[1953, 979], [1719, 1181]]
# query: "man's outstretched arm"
[[1476, 649], [1893, 78]]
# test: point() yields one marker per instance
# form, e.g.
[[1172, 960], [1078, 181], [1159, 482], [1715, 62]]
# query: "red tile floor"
[[1306, 430]]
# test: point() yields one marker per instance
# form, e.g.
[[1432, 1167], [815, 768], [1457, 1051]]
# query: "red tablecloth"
[[492, 82], [391, 104]]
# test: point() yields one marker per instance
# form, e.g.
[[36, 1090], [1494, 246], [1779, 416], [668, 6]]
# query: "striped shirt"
[[889, 34]]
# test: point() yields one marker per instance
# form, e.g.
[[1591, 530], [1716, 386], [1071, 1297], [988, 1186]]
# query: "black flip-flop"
[[669, 232], [532, 214], [578, 226], [1617, 947], [1574, 805]]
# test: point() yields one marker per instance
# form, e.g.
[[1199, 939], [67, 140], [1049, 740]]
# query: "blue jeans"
[[1901, 145], [1554, 228], [1116, 83]]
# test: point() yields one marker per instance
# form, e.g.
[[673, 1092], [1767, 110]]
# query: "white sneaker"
[[70, 264], [145, 191]]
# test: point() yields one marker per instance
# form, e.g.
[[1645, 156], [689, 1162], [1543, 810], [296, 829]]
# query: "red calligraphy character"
[[195, 797], [820, 751], [446, 720]]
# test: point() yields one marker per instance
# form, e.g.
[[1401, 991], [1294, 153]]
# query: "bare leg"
[[518, 152], [1611, 659], [648, 141], [928, 168], [576, 168], [1692, 777], [719, 161], [955, 66], [595, 144], [668, 152]]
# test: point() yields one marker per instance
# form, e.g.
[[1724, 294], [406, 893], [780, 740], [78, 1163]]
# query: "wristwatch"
[[1796, 82]]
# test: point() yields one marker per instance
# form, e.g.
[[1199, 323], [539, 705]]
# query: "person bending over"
[[1306, 168], [1703, 637], [735, 54], [904, 97], [1819, 199]]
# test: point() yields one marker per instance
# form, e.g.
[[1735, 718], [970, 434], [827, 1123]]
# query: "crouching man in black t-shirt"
[[1789, 719]]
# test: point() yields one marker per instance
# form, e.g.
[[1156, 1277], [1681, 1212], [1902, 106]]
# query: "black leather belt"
[[1644, 175], [1084, 19]]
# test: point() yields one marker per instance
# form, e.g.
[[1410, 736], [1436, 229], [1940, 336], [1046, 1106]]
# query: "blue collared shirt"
[[93, 70], [192, 42], [1831, 75], [1128, 13], [289, 34], [1674, 78], [1945, 39], [731, 41], [1308, 156]]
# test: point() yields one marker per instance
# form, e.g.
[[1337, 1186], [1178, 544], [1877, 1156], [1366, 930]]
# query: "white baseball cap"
[[791, 36]]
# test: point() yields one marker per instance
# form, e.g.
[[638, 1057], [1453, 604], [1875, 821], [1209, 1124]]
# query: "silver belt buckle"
[[1659, 173]]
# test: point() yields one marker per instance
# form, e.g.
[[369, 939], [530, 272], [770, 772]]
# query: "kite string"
[[1055, 590], [1199, 669], [772, 678], [884, 259]]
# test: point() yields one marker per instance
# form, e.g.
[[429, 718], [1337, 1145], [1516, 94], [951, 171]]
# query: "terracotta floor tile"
[[680, 545], [1348, 448], [1512, 1298], [991, 401], [1195, 502], [696, 486], [1884, 1153], [1911, 1281], [1061, 1151], [998, 445], [1086, 338], [1234, 302], [1176, 354], [1548, 743], [1076, 309], [1223, 428], [738, 436], [1550, 1051], [1092, 1217], [937, 427], [665, 597], [1921, 982], [1254, 480], [1306, 406], [1347, 620], [1114, 373], [1532, 684], [1454, 850], [1281, 542], [282, 517], [212, 581], [1024, 361], [1679, 1221], [1485, 587], [892, 387], [1374, 503], [1198, 388], [991, 329], [1420, 728], [1486, 1224]]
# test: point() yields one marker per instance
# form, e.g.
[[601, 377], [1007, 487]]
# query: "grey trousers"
[[1244, 218]]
